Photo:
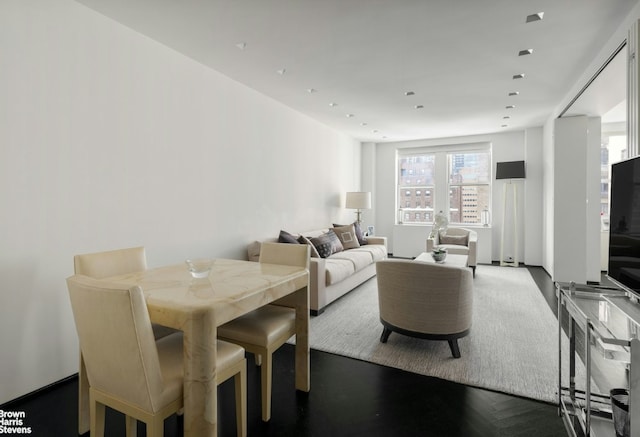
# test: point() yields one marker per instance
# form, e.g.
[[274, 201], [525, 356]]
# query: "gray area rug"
[[512, 346]]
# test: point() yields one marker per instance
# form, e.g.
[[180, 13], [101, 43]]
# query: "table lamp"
[[358, 200]]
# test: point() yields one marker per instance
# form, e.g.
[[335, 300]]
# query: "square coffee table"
[[451, 259]]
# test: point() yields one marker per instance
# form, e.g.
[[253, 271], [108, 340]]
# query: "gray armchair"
[[458, 241], [425, 300]]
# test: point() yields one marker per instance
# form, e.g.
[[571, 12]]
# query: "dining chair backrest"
[[285, 254], [111, 263], [117, 341]]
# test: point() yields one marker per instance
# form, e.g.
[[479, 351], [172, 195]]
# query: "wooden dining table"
[[197, 307]]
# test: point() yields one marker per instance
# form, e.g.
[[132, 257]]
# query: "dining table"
[[197, 306]]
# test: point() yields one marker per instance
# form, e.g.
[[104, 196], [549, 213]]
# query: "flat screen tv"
[[510, 170], [624, 225]]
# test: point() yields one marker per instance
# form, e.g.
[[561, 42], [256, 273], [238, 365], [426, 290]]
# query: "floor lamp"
[[510, 170]]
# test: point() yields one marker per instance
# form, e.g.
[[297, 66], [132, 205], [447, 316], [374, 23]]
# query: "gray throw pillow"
[[327, 244]]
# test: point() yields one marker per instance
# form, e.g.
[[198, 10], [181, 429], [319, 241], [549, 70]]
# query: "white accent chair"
[[264, 330], [425, 300], [458, 241], [128, 369]]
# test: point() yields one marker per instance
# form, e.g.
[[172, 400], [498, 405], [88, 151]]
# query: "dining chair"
[[101, 265], [264, 330], [128, 369]]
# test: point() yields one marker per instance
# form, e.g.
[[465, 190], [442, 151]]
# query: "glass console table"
[[603, 327]]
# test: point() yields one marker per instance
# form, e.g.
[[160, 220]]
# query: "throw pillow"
[[286, 237], [362, 240], [336, 244], [459, 240], [304, 240], [327, 244], [347, 236]]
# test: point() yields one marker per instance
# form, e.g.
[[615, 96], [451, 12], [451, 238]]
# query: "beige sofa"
[[338, 274]]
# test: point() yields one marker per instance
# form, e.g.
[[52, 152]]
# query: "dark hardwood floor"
[[348, 398]]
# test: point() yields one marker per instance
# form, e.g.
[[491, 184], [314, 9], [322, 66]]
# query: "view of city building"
[[468, 181]]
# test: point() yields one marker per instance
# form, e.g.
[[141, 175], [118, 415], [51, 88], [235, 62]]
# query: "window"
[[454, 180], [415, 193], [469, 186]]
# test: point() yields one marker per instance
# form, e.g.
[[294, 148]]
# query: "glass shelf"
[[604, 327]]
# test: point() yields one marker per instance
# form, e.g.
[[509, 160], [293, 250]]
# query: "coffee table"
[[451, 259]]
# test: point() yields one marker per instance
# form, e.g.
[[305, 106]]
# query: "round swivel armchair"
[[425, 300]]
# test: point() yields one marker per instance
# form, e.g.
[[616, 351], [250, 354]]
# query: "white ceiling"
[[457, 56]]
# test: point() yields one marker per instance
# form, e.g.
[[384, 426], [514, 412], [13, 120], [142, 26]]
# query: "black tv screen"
[[510, 170], [624, 225]]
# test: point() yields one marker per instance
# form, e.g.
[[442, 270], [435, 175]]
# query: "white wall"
[[108, 140], [507, 146], [533, 197], [608, 47], [570, 208]]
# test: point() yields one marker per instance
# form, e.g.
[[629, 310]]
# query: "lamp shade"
[[358, 200]]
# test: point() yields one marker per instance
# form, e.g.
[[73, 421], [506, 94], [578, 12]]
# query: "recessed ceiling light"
[[333, 104], [349, 115], [514, 93], [375, 131], [509, 106], [518, 76], [525, 52], [241, 45], [419, 106], [363, 124], [281, 71], [409, 93], [311, 90], [535, 17], [506, 117], [505, 125]]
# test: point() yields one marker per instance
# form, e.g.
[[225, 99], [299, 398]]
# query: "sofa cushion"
[[347, 236], [286, 237], [377, 252], [360, 260], [337, 270]]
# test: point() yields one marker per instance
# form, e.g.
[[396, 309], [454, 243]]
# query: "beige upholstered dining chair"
[[459, 241], [425, 300], [101, 265], [264, 330], [116, 262], [128, 369]]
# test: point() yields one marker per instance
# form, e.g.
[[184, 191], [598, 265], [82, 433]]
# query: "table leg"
[[200, 390], [303, 370]]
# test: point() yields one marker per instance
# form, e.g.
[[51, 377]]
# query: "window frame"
[[440, 189]]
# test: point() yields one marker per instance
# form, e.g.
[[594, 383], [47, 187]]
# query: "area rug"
[[512, 347]]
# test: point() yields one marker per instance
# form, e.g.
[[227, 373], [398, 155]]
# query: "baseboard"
[[29, 396]]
